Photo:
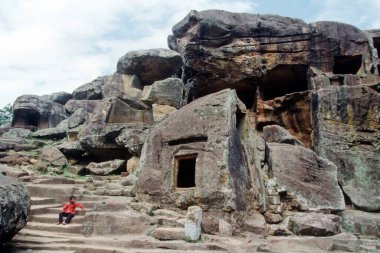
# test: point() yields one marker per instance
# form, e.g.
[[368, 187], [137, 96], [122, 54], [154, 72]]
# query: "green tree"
[[6, 114]]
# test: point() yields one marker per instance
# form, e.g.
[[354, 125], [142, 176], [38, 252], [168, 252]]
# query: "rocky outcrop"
[[346, 131], [178, 159], [364, 223], [150, 65], [60, 97], [107, 168], [34, 112], [14, 207]]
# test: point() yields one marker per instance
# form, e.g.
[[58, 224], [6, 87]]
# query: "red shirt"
[[70, 208]]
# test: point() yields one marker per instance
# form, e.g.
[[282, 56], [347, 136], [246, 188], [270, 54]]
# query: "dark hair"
[[72, 197]]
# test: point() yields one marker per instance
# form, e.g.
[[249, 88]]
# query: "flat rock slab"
[[315, 224], [355, 221]]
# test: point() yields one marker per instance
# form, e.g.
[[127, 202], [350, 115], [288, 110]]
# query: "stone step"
[[42, 209], [59, 209], [69, 228], [45, 234], [81, 248], [53, 218], [42, 201], [58, 192]]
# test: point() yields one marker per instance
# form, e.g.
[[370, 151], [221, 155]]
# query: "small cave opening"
[[185, 176], [240, 117], [284, 79], [247, 95], [28, 118], [347, 64]]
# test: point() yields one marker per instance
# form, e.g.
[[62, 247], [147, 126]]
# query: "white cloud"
[[50, 46]]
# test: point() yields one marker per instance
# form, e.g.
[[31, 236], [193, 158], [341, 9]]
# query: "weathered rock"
[[53, 156], [193, 223], [347, 124], [250, 46], [309, 177], [71, 148], [264, 248], [169, 234], [278, 134], [14, 207], [256, 224], [53, 133], [359, 222], [125, 87], [15, 159], [316, 224], [194, 138], [11, 171], [133, 139], [170, 92], [34, 111], [76, 119], [273, 218], [107, 168], [115, 223], [98, 135], [292, 111], [60, 97], [73, 105], [8, 143], [17, 132], [90, 91], [160, 112], [150, 65]]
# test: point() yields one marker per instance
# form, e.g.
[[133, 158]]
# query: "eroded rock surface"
[[14, 207]]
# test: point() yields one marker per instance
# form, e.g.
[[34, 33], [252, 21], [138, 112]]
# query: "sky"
[[49, 46]]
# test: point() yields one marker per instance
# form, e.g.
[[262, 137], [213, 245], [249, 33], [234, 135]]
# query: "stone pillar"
[[193, 223]]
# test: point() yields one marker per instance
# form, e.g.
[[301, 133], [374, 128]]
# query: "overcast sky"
[[48, 46]]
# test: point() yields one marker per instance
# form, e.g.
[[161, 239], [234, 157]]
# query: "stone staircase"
[[43, 235]]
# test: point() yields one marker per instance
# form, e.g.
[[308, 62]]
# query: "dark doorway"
[[284, 79], [347, 64], [186, 172]]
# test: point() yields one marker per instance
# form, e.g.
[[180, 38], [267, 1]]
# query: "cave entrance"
[[284, 79], [29, 118], [347, 64], [185, 172]]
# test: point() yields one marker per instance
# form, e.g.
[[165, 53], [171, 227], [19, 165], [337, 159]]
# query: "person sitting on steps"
[[68, 211]]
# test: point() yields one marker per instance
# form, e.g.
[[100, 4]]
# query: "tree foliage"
[[6, 114]]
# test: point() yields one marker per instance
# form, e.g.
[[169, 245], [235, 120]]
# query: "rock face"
[[31, 111], [347, 125], [309, 177], [107, 168], [14, 207], [151, 65], [195, 156], [360, 222], [90, 91]]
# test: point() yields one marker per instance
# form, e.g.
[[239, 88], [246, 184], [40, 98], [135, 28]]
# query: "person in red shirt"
[[68, 210]]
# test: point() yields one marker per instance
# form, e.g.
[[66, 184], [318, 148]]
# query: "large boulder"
[[31, 111], [364, 223], [196, 156], [122, 86], [60, 97], [17, 132], [14, 207], [170, 92], [276, 133], [90, 91], [53, 156], [315, 224], [346, 131], [150, 65], [312, 179]]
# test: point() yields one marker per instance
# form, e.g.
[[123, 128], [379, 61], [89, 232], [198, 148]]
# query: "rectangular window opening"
[[185, 172]]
